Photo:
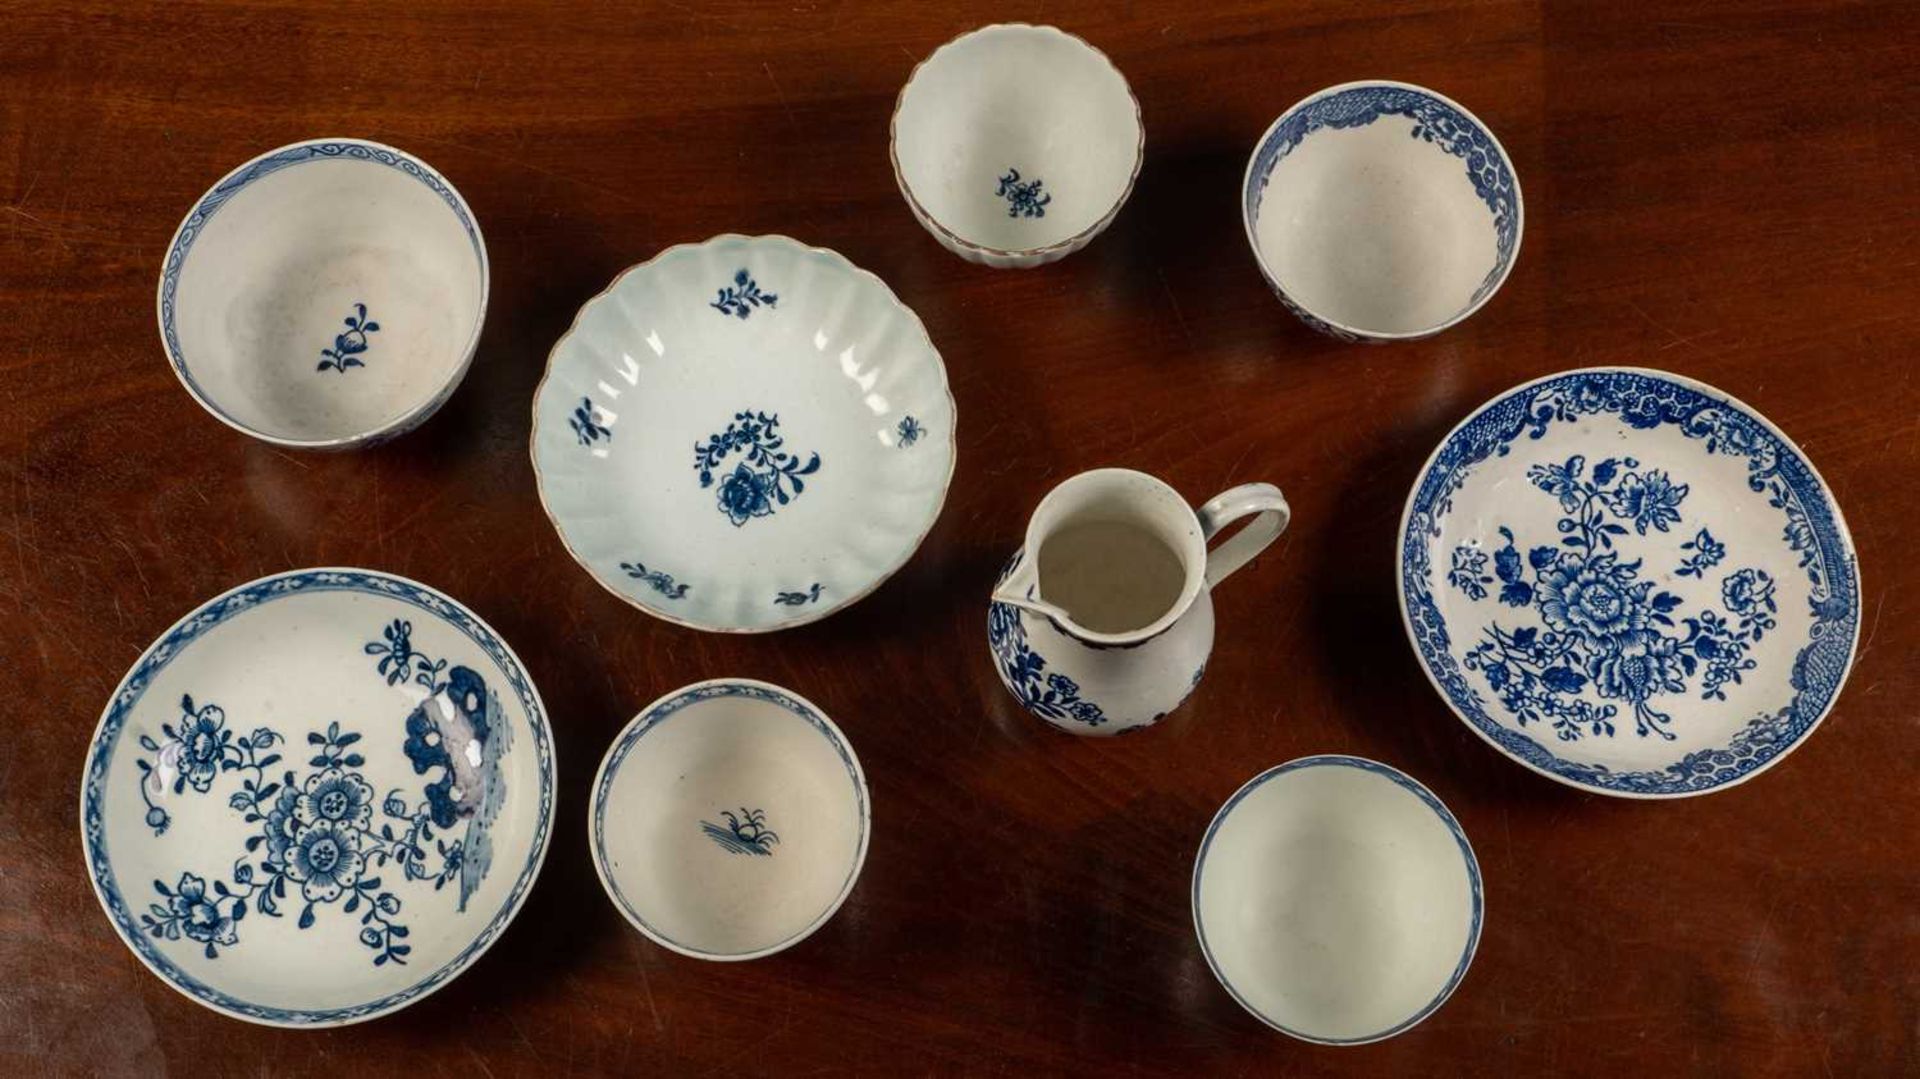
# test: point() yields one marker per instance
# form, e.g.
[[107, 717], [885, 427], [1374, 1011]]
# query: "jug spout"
[[1021, 588]]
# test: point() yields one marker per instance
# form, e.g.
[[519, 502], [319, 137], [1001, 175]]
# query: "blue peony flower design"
[[324, 859], [1747, 590], [335, 797], [1598, 600], [206, 918], [1649, 501], [204, 744], [746, 494], [1604, 626]]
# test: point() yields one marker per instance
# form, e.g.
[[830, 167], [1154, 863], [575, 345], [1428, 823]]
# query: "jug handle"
[[1261, 499]]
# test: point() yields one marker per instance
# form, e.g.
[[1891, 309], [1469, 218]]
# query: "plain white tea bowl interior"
[[1382, 211], [729, 820], [1337, 900], [325, 295], [744, 435], [318, 797], [1015, 145]]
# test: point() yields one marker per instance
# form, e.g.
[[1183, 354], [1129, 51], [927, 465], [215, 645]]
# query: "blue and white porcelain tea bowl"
[[318, 797], [1630, 582], [1381, 211], [744, 434], [325, 295], [1337, 900], [1103, 621], [729, 820], [1016, 145]]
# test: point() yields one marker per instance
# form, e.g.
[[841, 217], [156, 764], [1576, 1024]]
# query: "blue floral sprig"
[[348, 346], [399, 661], [586, 425], [765, 472], [740, 298]]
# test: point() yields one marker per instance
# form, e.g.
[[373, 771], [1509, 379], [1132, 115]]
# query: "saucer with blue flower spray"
[[1630, 582], [318, 797], [743, 435]]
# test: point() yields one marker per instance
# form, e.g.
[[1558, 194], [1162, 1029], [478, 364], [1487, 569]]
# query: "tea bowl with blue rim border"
[[1016, 145], [1381, 211], [1629, 582], [1337, 900], [729, 820], [318, 797], [325, 295], [743, 435]]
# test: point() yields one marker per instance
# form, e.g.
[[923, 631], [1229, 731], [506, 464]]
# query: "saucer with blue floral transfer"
[[318, 797], [1630, 582], [743, 435], [729, 820]]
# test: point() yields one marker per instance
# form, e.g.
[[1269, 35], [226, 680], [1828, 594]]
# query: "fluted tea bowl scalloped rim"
[[1060, 161]]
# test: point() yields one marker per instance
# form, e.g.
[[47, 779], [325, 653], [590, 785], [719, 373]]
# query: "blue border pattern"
[[237, 181], [1435, 121], [1404, 781], [659, 714], [1646, 400], [176, 640]]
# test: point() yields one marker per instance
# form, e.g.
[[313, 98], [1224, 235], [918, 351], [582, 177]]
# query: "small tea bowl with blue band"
[[1016, 145], [729, 820], [1337, 900], [325, 295], [1381, 211]]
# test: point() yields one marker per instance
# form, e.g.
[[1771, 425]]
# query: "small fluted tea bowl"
[[1381, 211], [1337, 900], [1016, 145], [326, 295], [729, 820]]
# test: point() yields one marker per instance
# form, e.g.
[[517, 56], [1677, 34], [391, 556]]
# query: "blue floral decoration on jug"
[[1050, 695]]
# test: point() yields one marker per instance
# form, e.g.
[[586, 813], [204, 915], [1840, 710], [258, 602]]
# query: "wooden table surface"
[[1731, 192]]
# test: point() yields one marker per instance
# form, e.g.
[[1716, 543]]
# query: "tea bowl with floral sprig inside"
[[743, 435], [1016, 145], [325, 295], [1630, 582], [318, 797], [1381, 211], [729, 820]]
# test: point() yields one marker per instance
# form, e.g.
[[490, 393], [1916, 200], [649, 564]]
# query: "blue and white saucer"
[[744, 434], [1630, 582], [318, 797]]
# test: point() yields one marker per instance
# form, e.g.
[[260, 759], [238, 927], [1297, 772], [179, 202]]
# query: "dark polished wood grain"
[[1729, 191]]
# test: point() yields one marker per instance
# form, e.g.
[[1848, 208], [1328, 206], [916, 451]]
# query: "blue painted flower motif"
[[1605, 626], [662, 583], [1023, 199], [1707, 553], [1649, 501], [1744, 590], [745, 833], [191, 912], [348, 346], [764, 472], [796, 599], [586, 425], [204, 746], [1599, 600], [1024, 671], [746, 494], [1469, 572], [335, 797], [742, 296], [324, 859], [909, 431]]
